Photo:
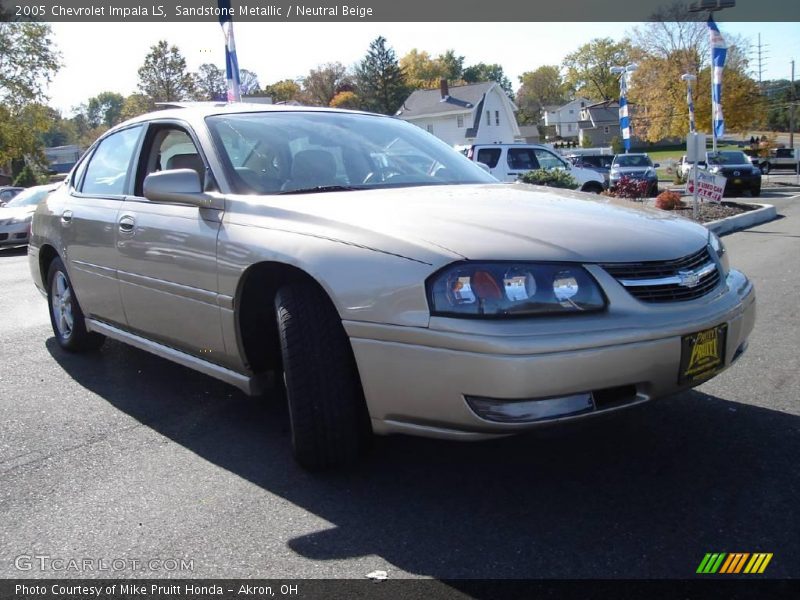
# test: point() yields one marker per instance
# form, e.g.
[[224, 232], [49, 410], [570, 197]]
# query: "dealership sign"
[[710, 187]]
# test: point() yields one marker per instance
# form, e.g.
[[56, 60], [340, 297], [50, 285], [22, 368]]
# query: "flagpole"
[[231, 61], [713, 106]]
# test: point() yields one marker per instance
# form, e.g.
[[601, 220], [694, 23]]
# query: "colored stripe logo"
[[734, 563]]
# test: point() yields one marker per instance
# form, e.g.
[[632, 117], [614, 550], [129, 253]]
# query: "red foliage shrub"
[[669, 201]]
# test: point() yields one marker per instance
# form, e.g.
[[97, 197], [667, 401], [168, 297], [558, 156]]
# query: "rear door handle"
[[127, 224], [66, 217]]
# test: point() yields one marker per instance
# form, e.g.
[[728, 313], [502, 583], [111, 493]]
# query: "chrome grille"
[[668, 281]]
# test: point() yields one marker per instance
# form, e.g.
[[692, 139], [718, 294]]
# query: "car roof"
[[201, 110]]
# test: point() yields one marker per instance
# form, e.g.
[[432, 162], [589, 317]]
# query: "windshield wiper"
[[322, 188]]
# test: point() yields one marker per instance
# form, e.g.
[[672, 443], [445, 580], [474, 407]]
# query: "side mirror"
[[656, 165], [178, 186]]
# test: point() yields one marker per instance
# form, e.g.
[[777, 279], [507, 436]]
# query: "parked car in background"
[[508, 161], [737, 168], [596, 162], [16, 215], [684, 167], [635, 166], [780, 158], [308, 244], [8, 192]]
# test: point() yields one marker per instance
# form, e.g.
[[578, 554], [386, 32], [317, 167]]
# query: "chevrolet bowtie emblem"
[[688, 279]]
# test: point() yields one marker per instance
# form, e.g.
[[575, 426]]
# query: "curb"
[[761, 215]]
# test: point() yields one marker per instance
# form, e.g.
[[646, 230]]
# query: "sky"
[[101, 57]]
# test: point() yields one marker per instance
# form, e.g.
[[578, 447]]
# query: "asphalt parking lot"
[[124, 455]]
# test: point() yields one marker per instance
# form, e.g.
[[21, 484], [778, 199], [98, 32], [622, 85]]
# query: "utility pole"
[[762, 59]]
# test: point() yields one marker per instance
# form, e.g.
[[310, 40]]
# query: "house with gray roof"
[[478, 113], [600, 122]]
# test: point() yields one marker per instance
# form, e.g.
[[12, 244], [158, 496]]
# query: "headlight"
[[719, 250], [756, 171], [650, 173], [713, 169], [496, 290], [17, 220]]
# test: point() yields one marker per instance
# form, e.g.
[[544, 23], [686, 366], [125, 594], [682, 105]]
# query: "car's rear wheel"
[[66, 316], [328, 415]]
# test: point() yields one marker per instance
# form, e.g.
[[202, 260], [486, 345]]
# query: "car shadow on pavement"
[[645, 492]]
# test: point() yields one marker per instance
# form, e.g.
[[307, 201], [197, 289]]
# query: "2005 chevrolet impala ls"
[[396, 285]]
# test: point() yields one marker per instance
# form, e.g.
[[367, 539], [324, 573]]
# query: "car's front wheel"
[[328, 415], [66, 316], [592, 187]]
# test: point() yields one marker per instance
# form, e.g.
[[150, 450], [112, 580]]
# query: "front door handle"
[[66, 217], [127, 224]]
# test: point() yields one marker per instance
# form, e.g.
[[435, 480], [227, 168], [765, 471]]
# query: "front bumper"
[[418, 381], [16, 234]]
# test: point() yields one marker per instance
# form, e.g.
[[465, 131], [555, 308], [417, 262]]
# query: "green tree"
[[248, 82], [163, 76], [588, 69], [480, 72], [452, 66], [29, 176], [210, 83], [539, 88], [28, 62], [381, 80], [105, 109]]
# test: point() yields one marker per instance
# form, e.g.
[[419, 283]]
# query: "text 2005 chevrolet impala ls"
[[396, 285]]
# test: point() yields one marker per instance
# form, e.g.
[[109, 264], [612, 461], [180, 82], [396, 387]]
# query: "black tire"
[[592, 187], [328, 416], [70, 331], [755, 192]]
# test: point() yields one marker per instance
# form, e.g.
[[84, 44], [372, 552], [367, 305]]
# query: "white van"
[[508, 161]]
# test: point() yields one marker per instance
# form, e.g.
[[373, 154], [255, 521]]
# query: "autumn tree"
[[285, 90], [588, 69], [135, 105], [539, 88], [324, 82], [346, 99], [163, 76], [381, 80]]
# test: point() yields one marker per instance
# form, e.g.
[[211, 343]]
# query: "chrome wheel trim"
[[61, 303]]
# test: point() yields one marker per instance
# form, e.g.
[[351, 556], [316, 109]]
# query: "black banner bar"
[[729, 588], [387, 10]]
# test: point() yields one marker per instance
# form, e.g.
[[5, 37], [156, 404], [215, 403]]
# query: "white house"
[[564, 119], [479, 113]]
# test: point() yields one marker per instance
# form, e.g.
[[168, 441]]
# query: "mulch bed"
[[711, 211]]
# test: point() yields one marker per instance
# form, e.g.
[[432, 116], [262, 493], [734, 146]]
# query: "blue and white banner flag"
[[690, 102], [624, 117], [231, 62], [719, 52]]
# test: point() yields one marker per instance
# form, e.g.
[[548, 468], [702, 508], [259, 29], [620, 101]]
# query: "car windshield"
[[295, 152], [30, 197], [632, 160], [728, 158]]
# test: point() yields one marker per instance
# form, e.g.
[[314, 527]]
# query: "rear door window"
[[522, 159], [108, 167]]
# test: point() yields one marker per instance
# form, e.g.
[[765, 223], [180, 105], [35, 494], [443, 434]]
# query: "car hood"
[[481, 222], [16, 212], [735, 166]]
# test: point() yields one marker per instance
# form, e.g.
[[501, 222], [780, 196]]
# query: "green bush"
[[550, 178], [28, 177]]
